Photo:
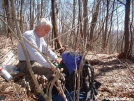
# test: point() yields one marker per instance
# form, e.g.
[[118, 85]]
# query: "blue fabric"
[[69, 96], [69, 60]]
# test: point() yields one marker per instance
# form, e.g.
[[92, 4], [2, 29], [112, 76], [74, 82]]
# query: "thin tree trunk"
[[80, 19], [72, 35], [31, 14], [73, 23], [7, 12], [38, 10], [85, 14], [117, 30], [111, 23], [58, 44], [94, 21], [104, 37], [74, 11], [21, 16], [41, 8], [126, 30]]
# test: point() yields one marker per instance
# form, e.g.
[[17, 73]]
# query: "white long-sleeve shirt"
[[34, 55]]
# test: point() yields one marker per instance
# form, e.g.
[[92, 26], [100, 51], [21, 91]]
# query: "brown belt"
[[25, 61]]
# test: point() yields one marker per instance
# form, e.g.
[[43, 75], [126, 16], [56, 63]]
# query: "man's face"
[[45, 30]]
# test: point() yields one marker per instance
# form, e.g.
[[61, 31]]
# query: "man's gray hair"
[[43, 22]]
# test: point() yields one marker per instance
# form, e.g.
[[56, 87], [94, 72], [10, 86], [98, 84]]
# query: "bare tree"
[[58, 44], [74, 11], [104, 36], [94, 20], [108, 41], [85, 14], [8, 18], [126, 30], [127, 47], [38, 11], [21, 15], [79, 30], [32, 7]]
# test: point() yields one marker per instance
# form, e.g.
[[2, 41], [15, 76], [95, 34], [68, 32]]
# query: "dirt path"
[[116, 78]]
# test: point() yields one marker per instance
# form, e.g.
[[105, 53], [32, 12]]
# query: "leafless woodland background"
[[99, 25]]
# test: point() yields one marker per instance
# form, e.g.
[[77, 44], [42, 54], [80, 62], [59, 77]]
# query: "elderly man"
[[38, 63]]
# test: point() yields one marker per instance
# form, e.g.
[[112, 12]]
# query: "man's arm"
[[49, 52]]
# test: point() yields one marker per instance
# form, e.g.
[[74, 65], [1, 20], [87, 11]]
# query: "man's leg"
[[41, 70], [37, 69]]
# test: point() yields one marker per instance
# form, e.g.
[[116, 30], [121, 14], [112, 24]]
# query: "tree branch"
[[121, 2]]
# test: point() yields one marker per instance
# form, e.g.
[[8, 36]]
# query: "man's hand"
[[53, 69], [58, 60]]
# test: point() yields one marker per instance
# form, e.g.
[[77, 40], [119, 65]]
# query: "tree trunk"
[[80, 19], [74, 11], [126, 30], [58, 44], [72, 35], [31, 14], [38, 11], [21, 16], [41, 8], [104, 37], [7, 12], [85, 14], [94, 19], [110, 28], [93, 22], [117, 31]]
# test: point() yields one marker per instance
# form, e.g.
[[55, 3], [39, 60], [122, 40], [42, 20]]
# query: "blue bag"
[[69, 59], [69, 96]]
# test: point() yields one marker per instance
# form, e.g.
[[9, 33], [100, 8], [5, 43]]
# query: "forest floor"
[[115, 75]]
